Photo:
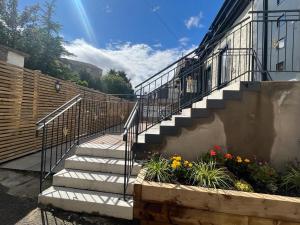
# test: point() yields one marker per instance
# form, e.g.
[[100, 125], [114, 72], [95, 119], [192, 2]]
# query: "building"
[[78, 66], [248, 37], [12, 56]]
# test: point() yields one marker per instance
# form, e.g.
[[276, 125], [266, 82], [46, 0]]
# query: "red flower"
[[213, 153], [228, 156], [218, 148]]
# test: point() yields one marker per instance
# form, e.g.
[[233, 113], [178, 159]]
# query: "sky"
[[140, 37]]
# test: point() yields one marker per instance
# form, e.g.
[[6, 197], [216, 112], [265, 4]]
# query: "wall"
[[15, 59], [264, 124], [27, 96]]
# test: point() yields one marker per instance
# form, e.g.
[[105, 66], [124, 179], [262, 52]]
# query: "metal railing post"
[[42, 156], [79, 119]]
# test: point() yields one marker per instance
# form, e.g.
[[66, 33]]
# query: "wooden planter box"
[[161, 203]]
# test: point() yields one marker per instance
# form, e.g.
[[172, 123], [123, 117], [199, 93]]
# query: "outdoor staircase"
[[93, 179], [93, 182], [201, 109]]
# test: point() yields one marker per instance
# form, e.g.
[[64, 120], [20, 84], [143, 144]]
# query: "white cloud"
[[184, 41], [155, 8], [194, 21], [139, 61]]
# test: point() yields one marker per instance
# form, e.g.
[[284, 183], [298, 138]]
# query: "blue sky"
[[138, 36]]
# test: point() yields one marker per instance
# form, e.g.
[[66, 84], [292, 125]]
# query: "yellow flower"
[[239, 159], [190, 164], [178, 158], [246, 160], [174, 166], [186, 162]]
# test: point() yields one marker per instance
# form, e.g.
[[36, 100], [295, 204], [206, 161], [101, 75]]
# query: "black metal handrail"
[[77, 119], [58, 109], [130, 137], [231, 56]]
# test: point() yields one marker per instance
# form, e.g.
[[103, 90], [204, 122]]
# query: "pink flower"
[[213, 153]]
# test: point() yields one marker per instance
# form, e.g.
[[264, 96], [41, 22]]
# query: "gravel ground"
[[18, 204]]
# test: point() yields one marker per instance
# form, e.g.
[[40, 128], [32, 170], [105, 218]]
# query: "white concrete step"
[[95, 181], [92, 202], [106, 165], [108, 151]]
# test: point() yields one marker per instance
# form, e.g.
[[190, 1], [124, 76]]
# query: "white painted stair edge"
[[85, 201], [95, 181]]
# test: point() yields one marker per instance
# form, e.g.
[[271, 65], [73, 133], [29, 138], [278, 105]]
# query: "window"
[[281, 20], [281, 43], [280, 66]]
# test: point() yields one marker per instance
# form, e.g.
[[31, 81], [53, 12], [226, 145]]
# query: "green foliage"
[[116, 82], [95, 83], [158, 169], [263, 177], [206, 174], [242, 185], [34, 31], [291, 180]]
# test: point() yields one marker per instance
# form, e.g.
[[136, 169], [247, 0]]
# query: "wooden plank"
[[224, 201]]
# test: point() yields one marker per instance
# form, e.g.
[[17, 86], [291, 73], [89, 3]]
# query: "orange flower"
[[228, 156]]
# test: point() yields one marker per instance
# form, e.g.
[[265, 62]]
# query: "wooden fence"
[[25, 97]]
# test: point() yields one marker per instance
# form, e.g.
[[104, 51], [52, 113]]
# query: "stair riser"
[[232, 95], [92, 185], [215, 104], [88, 207], [99, 167], [183, 122], [106, 153], [250, 86], [153, 139], [199, 113], [168, 130]]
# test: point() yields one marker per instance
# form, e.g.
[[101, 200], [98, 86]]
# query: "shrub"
[[158, 169], [263, 177], [206, 174], [291, 180], [238, 166], [242, 185]]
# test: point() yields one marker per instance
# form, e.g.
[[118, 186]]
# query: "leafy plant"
[[238, 166], [242, 185], [206, 174], [263, 177], [291, 180], [180, 168], [158, 169]]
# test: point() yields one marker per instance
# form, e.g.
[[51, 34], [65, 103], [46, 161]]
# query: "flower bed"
[[218, 168], [164, 203]]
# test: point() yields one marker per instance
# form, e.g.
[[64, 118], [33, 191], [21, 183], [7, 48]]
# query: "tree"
[[53, 47], [116, 82], [14, 23]]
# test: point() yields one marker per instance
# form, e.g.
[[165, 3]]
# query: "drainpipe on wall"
[[265, 39]]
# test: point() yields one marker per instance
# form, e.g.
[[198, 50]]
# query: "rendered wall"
[[264, 124]]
